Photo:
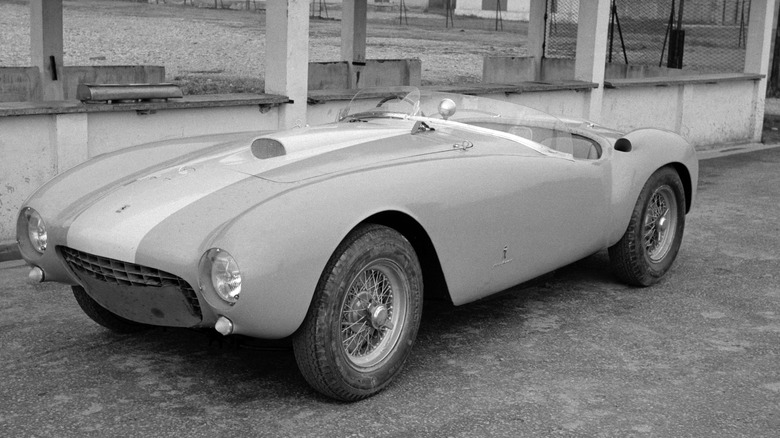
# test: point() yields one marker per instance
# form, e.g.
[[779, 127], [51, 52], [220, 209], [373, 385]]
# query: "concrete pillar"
[[536, 31], [592, 27], [353, 30], [759, 41], [46, 45], [287, 57]]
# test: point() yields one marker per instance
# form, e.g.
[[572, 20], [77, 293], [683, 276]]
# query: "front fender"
[[651, 149], [282, 248]]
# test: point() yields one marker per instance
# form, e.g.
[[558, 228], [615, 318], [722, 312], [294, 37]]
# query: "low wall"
[[341, 75], [518, 69], [20, 84], [705, 109], [23, 84]]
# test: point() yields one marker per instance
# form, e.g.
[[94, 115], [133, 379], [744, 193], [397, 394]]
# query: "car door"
[[517, 214]]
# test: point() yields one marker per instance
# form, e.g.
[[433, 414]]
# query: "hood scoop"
[[264, 148]]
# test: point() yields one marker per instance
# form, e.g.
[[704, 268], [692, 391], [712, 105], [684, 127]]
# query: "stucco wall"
[[702, 113]]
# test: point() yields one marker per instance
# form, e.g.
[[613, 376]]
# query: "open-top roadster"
[[330, 234]]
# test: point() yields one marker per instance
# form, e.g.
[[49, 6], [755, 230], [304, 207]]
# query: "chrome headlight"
[[36, 230], [220, 270]]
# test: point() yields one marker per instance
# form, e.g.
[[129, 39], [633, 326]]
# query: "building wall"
[[517, 10]]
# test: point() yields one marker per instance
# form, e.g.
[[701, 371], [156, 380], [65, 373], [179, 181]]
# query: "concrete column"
[[353, 30], [46, 45], [536, 30], [759, 41], [287, 57], [592, 27]]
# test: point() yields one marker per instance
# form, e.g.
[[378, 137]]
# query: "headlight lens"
[[224, 273], [36, 230]]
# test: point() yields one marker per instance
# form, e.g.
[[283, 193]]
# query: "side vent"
[[264, 148], [623, 145]]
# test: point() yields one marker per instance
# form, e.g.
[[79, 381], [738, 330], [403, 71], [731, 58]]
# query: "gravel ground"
[[189, 40]]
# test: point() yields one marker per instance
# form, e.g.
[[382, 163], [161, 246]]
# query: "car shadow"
[[239, 370]]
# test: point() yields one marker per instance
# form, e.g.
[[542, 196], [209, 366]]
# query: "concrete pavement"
[[576, 354]]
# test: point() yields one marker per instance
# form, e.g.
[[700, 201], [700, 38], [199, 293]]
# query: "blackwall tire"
[[105, 317], [364, 316], [650, 244]]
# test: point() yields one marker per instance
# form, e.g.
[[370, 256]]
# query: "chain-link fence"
[[698, 35]]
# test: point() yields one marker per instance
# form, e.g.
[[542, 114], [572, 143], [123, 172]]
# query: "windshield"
[[369, 103], [501, 118]]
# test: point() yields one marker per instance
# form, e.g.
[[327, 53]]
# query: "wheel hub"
[[379, 316], [663, 223]]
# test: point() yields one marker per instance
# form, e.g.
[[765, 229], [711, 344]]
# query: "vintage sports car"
[[330, 234]]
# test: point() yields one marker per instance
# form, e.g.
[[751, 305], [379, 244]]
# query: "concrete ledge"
[[201, 101], [522, 87], [681, 80], [320, 96]]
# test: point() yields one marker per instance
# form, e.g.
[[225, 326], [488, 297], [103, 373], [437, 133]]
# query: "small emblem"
[[464, 145], [504, 259], [123, 208]]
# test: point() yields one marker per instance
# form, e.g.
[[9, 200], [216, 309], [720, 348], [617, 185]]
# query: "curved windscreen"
[[503, 118], [497, 115], [382, 102]]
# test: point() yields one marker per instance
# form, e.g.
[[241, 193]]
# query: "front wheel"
[[649, 246], [364, 316]]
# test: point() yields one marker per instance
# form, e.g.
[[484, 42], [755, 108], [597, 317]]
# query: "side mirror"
[[447, 108]]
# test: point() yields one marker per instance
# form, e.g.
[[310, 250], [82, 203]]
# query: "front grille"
[[126, 274]]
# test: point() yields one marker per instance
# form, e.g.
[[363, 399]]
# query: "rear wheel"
[[651, 242], [364, 316], [103, 316]]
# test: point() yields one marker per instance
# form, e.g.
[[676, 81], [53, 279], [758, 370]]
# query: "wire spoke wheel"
[[650, 244], [374, 305], [364, 317]]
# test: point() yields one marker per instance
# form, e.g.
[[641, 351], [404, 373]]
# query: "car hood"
[[112, 219]]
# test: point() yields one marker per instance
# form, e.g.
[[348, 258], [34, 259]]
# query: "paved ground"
[[576, 354]]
